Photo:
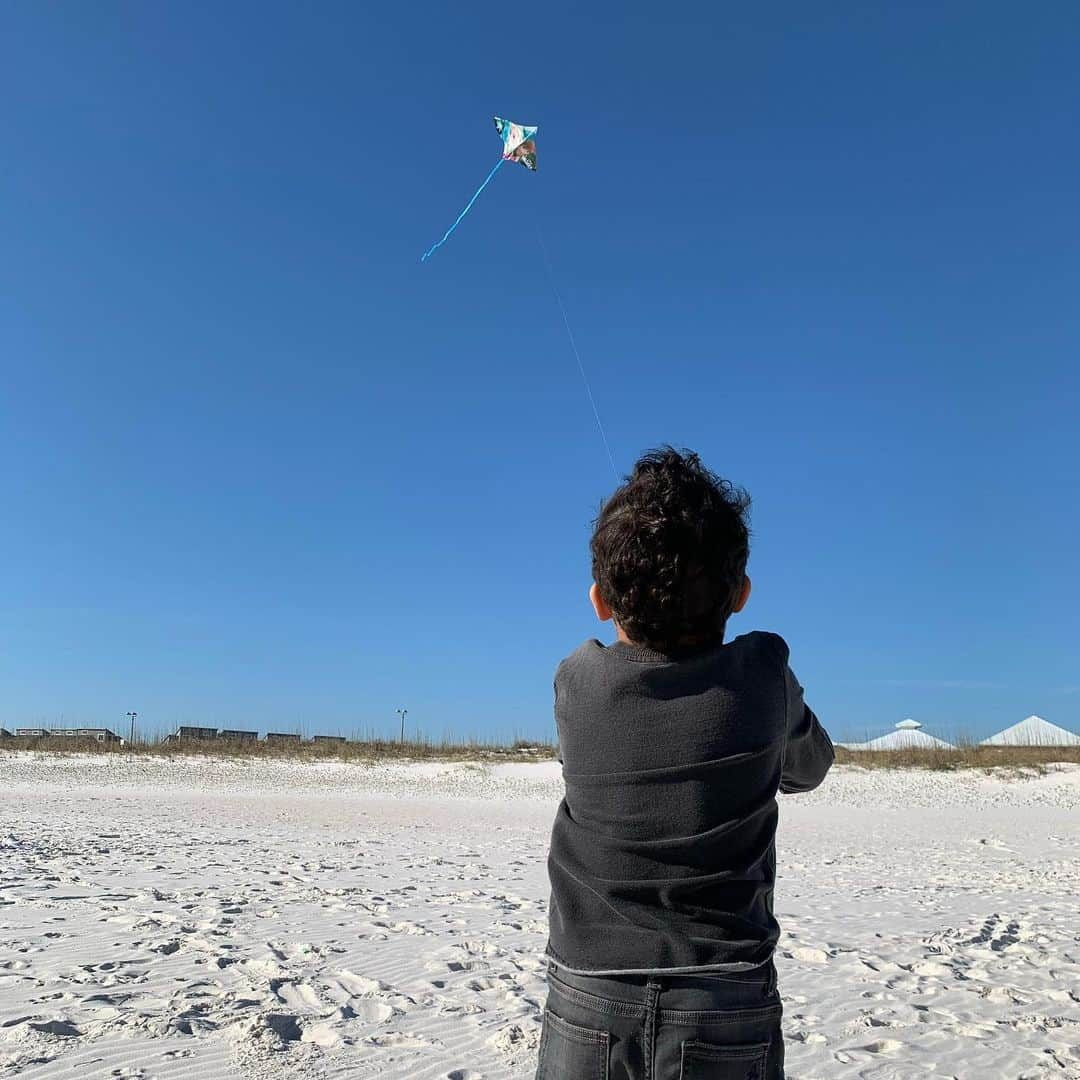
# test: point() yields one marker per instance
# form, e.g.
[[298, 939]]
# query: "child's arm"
[[809, 750]]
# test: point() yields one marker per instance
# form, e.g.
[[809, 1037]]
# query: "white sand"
[[171, 919]]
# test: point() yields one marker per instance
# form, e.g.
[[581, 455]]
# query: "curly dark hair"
[[669, 552]]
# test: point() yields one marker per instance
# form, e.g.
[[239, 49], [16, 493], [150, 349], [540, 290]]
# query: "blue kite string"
[[573, 346], [427, 254]]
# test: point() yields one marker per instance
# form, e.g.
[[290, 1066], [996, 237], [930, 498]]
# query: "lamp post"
[[403, 713], [131, 717]]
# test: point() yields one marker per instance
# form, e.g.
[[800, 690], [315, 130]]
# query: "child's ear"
[[743, 596], [600, 606]]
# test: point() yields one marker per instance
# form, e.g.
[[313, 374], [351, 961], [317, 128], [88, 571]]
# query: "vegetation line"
[[358, 750]]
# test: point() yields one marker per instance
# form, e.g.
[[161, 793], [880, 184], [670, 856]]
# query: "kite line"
[[573, 346], [468, 206]]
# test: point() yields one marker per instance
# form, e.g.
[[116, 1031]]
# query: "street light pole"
[[131, 717], [403, 713]]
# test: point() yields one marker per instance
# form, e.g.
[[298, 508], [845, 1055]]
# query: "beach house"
[[186, 731]]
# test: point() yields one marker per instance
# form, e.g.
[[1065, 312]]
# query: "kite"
[[518, 145]]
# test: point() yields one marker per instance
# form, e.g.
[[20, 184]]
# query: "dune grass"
[[964, 756], [355, 750]]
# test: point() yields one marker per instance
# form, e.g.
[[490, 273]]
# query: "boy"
[[674, 744]]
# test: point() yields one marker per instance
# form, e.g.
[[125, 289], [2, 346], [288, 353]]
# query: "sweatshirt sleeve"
[[808, 751], [555, 713]]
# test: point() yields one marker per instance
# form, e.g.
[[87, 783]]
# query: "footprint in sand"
[[284, 1027], [514, 1039], [449, 1007], [372, 1012], [321, 1035], [882, 1046], [62, 1028], [931, 969], [284, 951], [401, 1040], [345, 986], [298, 996], [360, 985], [807, 1037], [881, 1021], [467, 965], [807, 955], [477, 948], [403, 928]]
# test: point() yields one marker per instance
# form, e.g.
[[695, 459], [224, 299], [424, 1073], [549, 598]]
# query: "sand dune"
[[162, 919]]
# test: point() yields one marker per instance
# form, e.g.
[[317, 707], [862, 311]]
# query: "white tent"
[[905, 736], [1034, 731]]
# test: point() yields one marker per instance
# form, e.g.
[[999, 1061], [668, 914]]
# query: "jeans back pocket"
[[707, 1061], [570, 1052]]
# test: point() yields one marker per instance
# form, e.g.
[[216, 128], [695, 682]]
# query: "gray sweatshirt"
[[662, 855]]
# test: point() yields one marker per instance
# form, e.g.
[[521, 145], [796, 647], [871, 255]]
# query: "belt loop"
[[771, 986], [652, 995]]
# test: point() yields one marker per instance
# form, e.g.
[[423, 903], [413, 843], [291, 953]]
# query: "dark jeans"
[[662, 1027]]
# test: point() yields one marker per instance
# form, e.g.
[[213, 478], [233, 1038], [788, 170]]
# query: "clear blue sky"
[[260, 466]]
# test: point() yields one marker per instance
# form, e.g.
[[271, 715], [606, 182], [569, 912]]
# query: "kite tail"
[[468, 206]]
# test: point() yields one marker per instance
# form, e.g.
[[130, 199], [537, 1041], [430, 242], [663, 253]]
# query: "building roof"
[[1034, 731], [907, 739], [904, 736]]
